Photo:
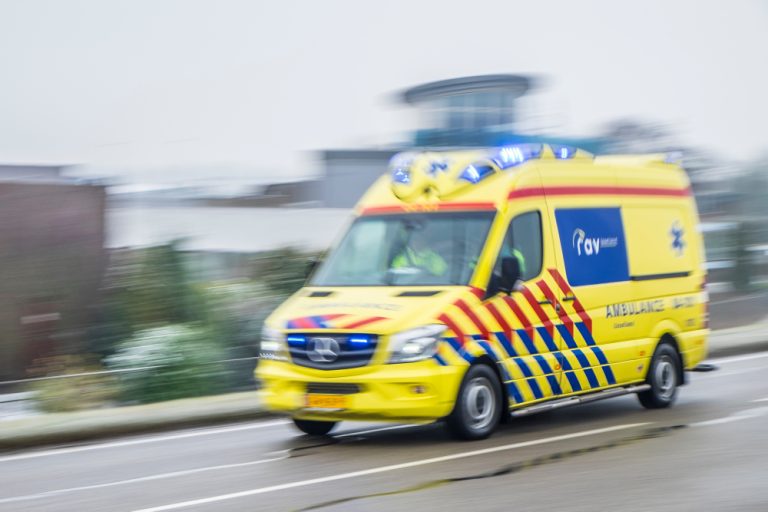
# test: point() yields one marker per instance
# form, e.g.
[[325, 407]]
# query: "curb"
[[105, 432]]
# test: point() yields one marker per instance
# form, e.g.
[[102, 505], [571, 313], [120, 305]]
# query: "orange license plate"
[[326, 401]]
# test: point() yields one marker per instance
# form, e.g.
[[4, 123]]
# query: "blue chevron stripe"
[[514, 393], [527, 341], [573, 380], [548, 341], [454, 343], [506, 344], [585, 333], [567, 336]]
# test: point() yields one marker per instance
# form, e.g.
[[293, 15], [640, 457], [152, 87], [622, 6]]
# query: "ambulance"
[[472, 287]]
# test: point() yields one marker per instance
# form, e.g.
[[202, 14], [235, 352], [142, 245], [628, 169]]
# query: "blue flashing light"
[[476, 172], [563, 152], [400, 175], [359, 341], [511, 156], [435, 167], [296, 340]]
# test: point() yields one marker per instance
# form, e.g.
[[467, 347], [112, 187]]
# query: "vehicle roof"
[[487, 179]]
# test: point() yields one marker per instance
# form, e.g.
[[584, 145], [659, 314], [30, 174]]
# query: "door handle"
[[568, 298], [545, 301]]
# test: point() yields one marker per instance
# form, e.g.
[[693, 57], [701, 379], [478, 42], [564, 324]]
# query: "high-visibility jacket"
[[426, 259]]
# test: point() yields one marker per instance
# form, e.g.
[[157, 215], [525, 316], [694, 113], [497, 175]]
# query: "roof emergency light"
[[476, 172], [563, 152], [511, 156]]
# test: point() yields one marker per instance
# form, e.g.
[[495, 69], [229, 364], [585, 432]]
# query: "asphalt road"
[[709, 452]]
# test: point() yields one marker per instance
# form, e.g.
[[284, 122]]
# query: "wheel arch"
[[486, 360], [670, 339]]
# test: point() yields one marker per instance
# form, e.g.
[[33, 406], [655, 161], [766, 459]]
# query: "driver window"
[[522, 240]]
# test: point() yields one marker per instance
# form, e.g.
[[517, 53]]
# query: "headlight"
[[272, 345], [415, 344]]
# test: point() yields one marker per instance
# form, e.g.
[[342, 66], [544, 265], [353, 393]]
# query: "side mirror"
[[312, 264], [510, 273]]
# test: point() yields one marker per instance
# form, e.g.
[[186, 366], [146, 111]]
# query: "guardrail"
[[108, 372]]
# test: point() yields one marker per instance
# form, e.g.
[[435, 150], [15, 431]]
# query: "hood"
[[376, 310]]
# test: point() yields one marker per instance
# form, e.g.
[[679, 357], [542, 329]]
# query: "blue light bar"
[[511, 156], [359, 341], [296, 340], [563, 152], [400, 175], [476, 172]]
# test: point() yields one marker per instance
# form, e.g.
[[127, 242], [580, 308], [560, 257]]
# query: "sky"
[[262, 85]]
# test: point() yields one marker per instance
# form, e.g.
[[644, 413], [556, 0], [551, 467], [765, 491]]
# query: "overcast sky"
[[162, 83]]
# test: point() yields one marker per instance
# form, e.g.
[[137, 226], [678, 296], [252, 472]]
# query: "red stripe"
[[563, 284], [328, 318], [304, 323], [520, 315], [538, 310], [364, 321], [577, 190], [416, 208], [453, 327], [474, 318], [477, 292], [547, 291], [500, 319]]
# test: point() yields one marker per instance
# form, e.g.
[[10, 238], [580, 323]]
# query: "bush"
[[71, 393], [170, 362]]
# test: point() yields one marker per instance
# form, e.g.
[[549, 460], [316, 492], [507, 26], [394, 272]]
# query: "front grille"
[[330, 388], [327, 351]]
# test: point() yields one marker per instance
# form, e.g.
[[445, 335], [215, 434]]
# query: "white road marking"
[[384, 469], [717, 375], [746, 414], [153, 439], [761, 400], [56, 492], [735, 359]]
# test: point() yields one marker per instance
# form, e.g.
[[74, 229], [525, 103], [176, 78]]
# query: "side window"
[[523, 240]]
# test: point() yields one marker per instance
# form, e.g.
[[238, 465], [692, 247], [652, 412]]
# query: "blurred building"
[[37, 173], [474, 111], [52, 259]]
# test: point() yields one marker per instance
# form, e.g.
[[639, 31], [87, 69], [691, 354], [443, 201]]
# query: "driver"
[[418, 253]]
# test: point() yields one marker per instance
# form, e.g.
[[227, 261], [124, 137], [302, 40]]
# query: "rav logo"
[[590, 246]]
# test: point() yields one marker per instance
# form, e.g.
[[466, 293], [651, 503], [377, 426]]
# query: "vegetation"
[[81, 390], [173, 335]]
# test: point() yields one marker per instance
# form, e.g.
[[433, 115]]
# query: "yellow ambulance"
[[472, 286]]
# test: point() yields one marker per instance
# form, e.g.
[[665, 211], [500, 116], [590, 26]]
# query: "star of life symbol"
[[678, 244]]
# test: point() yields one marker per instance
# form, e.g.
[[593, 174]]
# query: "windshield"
[[409, 249]]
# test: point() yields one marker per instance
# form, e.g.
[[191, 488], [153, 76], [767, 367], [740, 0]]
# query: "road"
[[709, 452]]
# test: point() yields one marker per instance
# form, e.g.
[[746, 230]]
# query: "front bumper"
[[421, 391]]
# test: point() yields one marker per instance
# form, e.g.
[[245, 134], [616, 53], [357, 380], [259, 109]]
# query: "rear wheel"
[[663, 377], [314, 428], [478, 405]]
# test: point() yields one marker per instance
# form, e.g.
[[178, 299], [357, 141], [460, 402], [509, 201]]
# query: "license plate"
[[326, 401]]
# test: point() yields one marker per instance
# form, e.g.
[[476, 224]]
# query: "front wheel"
[[478, 405], [663, 377], [314, 428]]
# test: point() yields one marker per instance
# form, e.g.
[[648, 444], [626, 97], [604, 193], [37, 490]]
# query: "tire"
[[663, 377], [314, 428], [478, 405]]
